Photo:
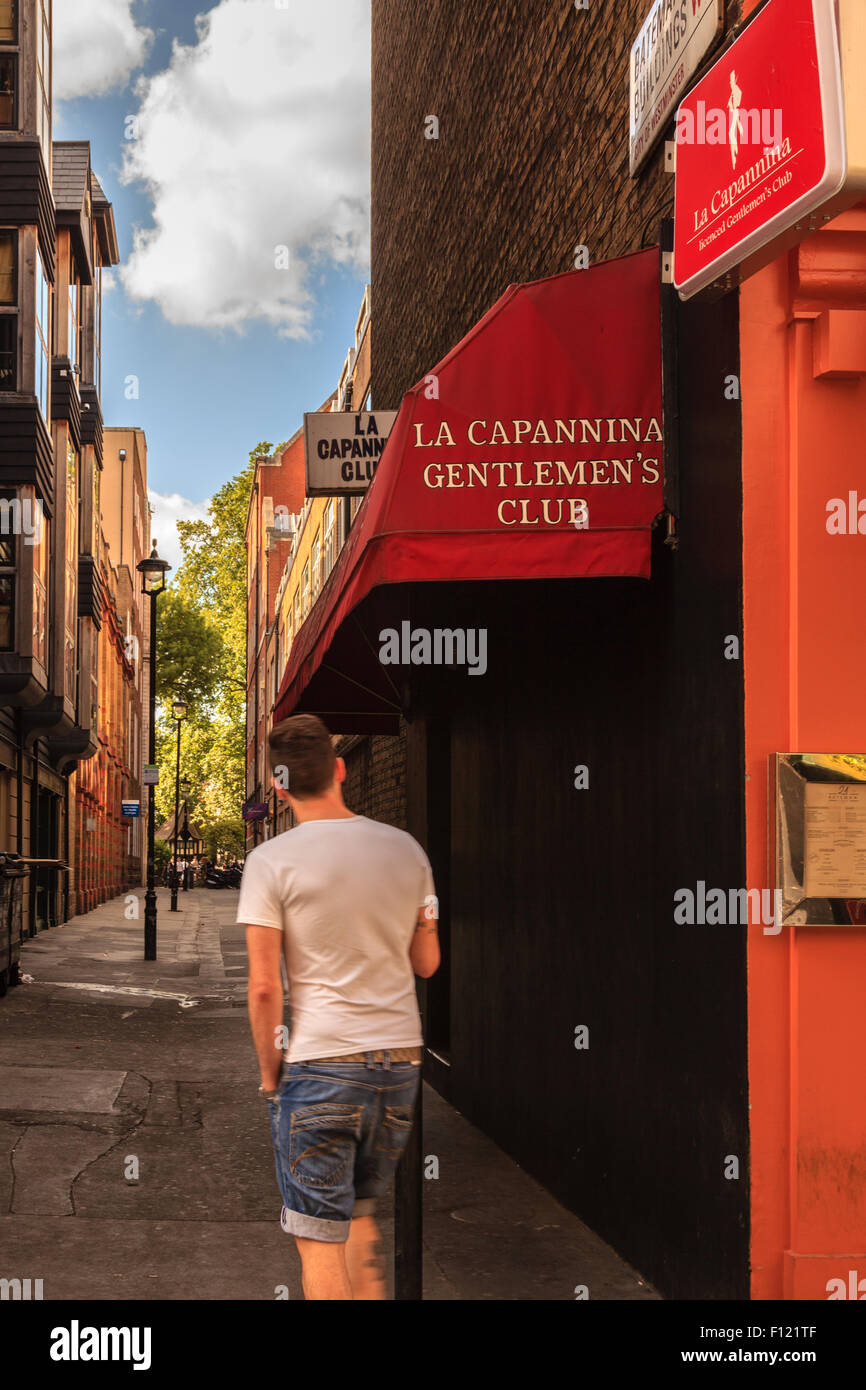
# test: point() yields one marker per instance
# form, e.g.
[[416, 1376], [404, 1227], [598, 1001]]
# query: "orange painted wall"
[[803, 381]]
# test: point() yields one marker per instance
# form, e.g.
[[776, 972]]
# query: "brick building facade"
[[108, 853], [57, 235], [292, 545], [70, 609], [530, 163]]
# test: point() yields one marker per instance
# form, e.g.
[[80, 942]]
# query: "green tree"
[[202, 659], [192, 652]]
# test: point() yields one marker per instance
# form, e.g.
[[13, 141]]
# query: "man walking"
[[349, 903]]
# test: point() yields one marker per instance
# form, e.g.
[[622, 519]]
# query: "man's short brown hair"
[[302, 756]]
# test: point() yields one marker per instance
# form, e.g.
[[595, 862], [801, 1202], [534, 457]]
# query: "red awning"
[[532, 451]]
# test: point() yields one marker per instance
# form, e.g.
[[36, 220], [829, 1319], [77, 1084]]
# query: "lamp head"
[[153, 571]]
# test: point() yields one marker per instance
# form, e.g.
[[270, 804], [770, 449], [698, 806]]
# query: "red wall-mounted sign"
[[760, 143]]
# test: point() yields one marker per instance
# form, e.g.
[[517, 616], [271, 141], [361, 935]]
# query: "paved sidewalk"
[[136, 1156]]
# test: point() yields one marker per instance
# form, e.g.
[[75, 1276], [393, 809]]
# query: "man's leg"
[[365, 1259], [323, 1269]]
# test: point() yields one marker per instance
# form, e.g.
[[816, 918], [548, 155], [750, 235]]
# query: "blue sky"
[[255, 135]]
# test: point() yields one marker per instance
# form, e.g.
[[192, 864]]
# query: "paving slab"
[[98, 1258], [46, 1162], [10, 1136], [46, 1088]]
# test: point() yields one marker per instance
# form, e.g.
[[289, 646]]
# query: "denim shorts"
[[339, 1131]]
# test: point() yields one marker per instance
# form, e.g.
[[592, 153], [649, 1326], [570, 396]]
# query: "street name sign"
[[343, 450], [771, 142], [666, 53]]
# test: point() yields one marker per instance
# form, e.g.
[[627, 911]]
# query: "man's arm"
[[424, 953], [265, 999]]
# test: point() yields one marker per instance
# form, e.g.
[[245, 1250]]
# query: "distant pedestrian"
[[350, 903]]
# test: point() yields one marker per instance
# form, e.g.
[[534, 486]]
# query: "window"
[[317, 565], [8, 91], [305, 591], [8, 310], [94, 675], [8, 268], [72, 316], [296, 612], [8, 21], [43, 65], [69, 651], [94, 520], [97, 339], [329, 543], [7, 582], [43, 337], [8, 353], [40, 595]]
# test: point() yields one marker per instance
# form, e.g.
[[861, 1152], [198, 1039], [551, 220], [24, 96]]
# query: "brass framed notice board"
[[819, 810]]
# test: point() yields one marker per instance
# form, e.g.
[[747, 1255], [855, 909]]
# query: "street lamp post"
[[178, 710], [185, 788], [153, 571]]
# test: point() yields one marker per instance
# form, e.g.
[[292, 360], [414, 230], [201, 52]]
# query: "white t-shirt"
[[346, 896]]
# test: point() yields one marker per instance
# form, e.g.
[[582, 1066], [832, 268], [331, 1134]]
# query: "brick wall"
[[375, 783], [531, 161]]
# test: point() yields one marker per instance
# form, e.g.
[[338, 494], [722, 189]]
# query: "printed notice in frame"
[[835, 857]]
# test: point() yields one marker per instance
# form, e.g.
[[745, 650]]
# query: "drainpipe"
[[34, 830], [19, 833], [68, 870]]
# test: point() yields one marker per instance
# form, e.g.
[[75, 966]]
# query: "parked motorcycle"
[[229, 877]]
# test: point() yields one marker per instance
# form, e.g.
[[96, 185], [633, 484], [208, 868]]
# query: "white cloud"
[[168, 509], [255, 137], [97, 46]]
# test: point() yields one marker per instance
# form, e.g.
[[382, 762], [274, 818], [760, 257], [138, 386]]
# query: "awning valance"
[[532, 451]]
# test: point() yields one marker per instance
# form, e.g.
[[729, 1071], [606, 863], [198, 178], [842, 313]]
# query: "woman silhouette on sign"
[[734, 124]]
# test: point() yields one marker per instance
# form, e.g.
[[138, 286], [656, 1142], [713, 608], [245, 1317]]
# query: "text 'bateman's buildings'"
[[73, 523], [600, 605]]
